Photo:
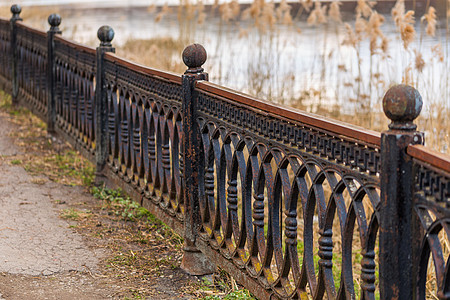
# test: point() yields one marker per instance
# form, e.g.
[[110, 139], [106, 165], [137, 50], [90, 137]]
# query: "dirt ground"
[[59, 242]]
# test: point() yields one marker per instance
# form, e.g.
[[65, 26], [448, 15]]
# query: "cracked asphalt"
[[33, 239], [35, 244]]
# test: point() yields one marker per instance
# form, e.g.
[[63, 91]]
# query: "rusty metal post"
[[15, 10], [194, 262], [54, 20], [105, 34], [401, 104]]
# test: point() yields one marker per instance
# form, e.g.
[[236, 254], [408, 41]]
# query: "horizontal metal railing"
[[357, 133]]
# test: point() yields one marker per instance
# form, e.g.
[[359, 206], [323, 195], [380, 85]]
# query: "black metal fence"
[[292, 205]]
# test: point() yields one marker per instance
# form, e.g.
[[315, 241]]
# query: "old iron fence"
[[291, 204]]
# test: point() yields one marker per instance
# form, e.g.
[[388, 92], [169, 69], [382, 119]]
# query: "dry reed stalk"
[[243, 33], [283, 13], [407, 77], [335, 12], [374, 31], [253, 11], [201, 12], [151, 9], [364, 8], [164, 11], [230, 11], [318, 14], [384, 45], [360, 26], [404, 22], [186, 11], [307, 4], [436, 125], [398, 11], [419, 62], [448, 11], [408, 33], [438, 52], [268, 18], [430, 17], [225, 12], [263, 14], [371, 28], [235, 8], [351, 38]]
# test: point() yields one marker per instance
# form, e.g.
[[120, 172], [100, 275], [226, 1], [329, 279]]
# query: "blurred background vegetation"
[[333, 58]]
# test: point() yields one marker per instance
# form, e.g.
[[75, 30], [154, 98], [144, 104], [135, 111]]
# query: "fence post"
[[54, 20], [15, 10], [401, 104], [105, 34], [194, 262]]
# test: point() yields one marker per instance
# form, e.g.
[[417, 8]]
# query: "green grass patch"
[[121, 204], [116, 202], [234, 295], [16, 162], [7, 106]]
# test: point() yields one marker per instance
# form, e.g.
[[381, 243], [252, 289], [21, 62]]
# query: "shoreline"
[[382, 6]]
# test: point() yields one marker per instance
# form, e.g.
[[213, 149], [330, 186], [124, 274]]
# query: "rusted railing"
[[291, 204]]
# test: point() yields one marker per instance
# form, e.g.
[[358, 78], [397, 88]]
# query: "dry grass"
[[44, 155], [160, 53]]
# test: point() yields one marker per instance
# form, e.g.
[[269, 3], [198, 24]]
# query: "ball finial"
[[194, 56], [105, 34], [16, 10], [54, 20], [402, 105]]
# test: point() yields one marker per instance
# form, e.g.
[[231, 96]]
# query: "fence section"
[[145, 134], [32, 68], [279, 192], [293, 205], [75, 67], [5, 58], [432, 208]]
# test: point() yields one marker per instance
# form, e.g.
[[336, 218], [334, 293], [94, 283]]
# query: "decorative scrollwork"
[[75, 76], [5, 50], [277, 206], [145, 149], [432, 198], [364, 158], [32, 68]]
